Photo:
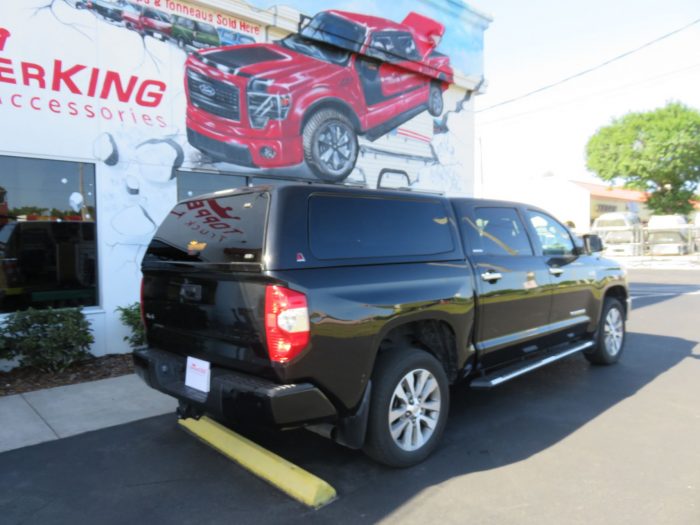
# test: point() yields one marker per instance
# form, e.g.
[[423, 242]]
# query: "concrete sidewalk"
[[54, 413]]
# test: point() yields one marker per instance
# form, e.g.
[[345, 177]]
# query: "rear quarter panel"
[[353, 308]]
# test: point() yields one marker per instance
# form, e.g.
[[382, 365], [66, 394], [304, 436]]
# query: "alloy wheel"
[[613, 331], [414, 410], [336, 147]]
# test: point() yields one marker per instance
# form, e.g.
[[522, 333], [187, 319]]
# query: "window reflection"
[[193, 183], [48, 254]]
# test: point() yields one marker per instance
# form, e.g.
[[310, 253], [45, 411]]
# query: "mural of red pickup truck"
[[147, 21], [309, 96]]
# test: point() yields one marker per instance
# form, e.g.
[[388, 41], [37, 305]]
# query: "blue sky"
[[534, 43]]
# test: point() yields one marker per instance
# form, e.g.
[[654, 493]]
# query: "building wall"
[[78, 86], [600, 205]]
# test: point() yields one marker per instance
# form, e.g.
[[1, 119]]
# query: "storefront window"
[[48, 250]]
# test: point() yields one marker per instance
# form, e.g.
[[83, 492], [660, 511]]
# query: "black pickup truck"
[[351, 311]]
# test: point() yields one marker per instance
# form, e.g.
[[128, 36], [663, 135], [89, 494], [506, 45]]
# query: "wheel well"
[[335, 104], [433, 336], [619, 293]]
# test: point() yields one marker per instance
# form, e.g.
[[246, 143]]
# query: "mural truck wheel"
[[435, 103], [330, 145]]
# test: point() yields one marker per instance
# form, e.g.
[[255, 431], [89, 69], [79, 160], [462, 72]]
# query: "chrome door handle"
[[491, 276], [556, 271]]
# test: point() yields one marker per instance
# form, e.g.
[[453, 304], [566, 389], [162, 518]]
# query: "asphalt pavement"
[[570, 443]]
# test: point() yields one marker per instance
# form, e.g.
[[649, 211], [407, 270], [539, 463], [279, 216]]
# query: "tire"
[[330, 145], [435, 102], [390, 388], [610, 336], [182, 44]]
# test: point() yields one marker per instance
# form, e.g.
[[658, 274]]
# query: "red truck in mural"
[[147, 21], [308, 97]]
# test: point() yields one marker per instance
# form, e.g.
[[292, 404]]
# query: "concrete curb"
[[54, 413], [280, 473]]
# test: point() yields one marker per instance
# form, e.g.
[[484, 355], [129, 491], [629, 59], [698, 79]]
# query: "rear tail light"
[[286, 323]]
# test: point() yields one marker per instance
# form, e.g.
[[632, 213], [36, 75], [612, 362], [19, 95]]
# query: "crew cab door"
[[513, 292], [572, 274]]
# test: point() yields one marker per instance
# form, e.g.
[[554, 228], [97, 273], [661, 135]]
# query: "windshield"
[[336, 31], [610, 223], [206, 28], [619, 237], [666, 238], [229, 36], [317, 50]]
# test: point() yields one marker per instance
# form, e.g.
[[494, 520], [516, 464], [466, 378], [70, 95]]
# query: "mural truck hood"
[[272, 62]]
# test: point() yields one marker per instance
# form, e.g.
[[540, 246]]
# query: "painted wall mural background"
[[144, 88]]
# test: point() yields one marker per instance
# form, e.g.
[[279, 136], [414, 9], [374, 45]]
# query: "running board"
[[511, 372]]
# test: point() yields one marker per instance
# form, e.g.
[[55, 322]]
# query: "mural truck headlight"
[[264, 106]]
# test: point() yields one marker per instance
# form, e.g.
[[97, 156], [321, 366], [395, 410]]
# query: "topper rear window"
[[213, 229]]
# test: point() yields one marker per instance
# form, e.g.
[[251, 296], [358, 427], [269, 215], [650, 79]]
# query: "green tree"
[[656, 151]]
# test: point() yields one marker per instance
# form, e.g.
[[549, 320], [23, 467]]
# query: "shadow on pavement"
[[151, 471]]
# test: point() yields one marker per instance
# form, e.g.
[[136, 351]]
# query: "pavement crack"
[[40, 416]]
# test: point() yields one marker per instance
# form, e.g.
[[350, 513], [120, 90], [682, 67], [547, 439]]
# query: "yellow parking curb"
[[295, 481]]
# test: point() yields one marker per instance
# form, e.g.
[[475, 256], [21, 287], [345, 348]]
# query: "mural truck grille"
[[214, 96]]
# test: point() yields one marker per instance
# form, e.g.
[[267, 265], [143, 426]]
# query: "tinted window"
[[393, 46], [133, 8], [336, 31], [360, 227], [206, 28], [406, 46], [312, 48], [187, 24], [666, 237], [193, 183], [48, 251], [216, 230], [610, 223], [554, 238], [496, 231]]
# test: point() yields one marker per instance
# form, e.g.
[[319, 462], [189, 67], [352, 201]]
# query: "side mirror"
[[592, 243]]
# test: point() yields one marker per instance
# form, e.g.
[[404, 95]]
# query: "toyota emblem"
[[207, 89]]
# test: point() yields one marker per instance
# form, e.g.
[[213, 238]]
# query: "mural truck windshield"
[[336, 31]]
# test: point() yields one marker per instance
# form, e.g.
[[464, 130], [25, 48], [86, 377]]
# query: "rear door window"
[[352, 227]]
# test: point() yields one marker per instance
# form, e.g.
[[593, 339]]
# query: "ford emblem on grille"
[[207, 89]]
